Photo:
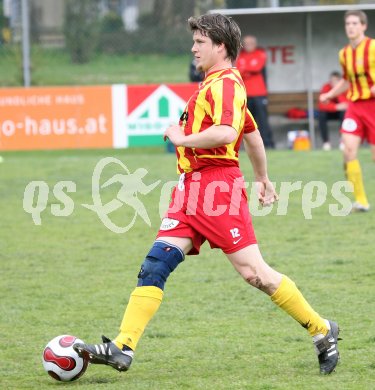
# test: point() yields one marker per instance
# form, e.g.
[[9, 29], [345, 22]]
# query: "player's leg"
[[233, 232], [371, 131], [352, 144], [261, 109], [285, 294], [353, 170], [174, 239], [145, 300], [163, 258], [255, 271], [323, 127]]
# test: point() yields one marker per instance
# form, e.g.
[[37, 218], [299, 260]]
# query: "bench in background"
[[278, 106], [280, 103]]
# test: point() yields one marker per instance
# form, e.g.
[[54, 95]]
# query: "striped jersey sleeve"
[[250, 124]]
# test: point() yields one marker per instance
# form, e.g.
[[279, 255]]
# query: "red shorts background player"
[[210, 201]]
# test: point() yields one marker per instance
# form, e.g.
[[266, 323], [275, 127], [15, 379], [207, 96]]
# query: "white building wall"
[[284, 38]]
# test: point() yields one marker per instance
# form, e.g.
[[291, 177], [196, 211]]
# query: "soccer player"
[[357, 60], [210, 202]]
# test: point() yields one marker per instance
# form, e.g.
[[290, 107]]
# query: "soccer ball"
[[61, 361]]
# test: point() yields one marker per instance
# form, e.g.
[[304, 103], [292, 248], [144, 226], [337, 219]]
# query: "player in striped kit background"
[[357, 60]]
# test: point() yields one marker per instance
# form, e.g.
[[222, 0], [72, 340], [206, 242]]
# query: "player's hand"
[[175, 134], [325, 97], [266, 193]]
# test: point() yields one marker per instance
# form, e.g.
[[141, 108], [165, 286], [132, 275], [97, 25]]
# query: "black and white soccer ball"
[[61, 361]]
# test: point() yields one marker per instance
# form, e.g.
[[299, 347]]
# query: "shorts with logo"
[[210, 204], [359, 120]]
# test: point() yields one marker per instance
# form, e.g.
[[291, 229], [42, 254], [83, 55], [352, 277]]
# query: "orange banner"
[[55, 118]]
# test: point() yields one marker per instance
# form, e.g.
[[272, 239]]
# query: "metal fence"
[[34, 31]]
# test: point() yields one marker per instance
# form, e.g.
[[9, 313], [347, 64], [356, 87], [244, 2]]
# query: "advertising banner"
[[55, 118], [152, 108], [115, 116]]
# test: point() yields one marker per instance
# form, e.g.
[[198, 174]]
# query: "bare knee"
[[350, 153], [351, 145]]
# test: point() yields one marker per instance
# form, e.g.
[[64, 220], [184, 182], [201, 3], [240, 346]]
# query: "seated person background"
[[332, 109]]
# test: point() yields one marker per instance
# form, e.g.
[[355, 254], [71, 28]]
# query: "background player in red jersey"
[[358, 64], [331, 109], [210, 202], [251, 63]]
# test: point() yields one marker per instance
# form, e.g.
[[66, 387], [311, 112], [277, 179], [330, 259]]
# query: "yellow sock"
[[354, 175], [143, 304], [290, 299]]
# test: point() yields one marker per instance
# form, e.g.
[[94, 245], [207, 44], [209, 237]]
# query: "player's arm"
[[254, 148], [213, 137], [257, 66], [338, 89]]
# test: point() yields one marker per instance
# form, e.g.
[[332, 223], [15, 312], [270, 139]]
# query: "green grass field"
[[54, 67], [71, 275]]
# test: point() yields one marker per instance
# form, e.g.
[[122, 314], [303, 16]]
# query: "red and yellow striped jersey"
[[219, 100], [358, 65]]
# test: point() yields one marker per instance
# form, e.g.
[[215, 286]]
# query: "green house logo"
[[163, 109], [156, 113]]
